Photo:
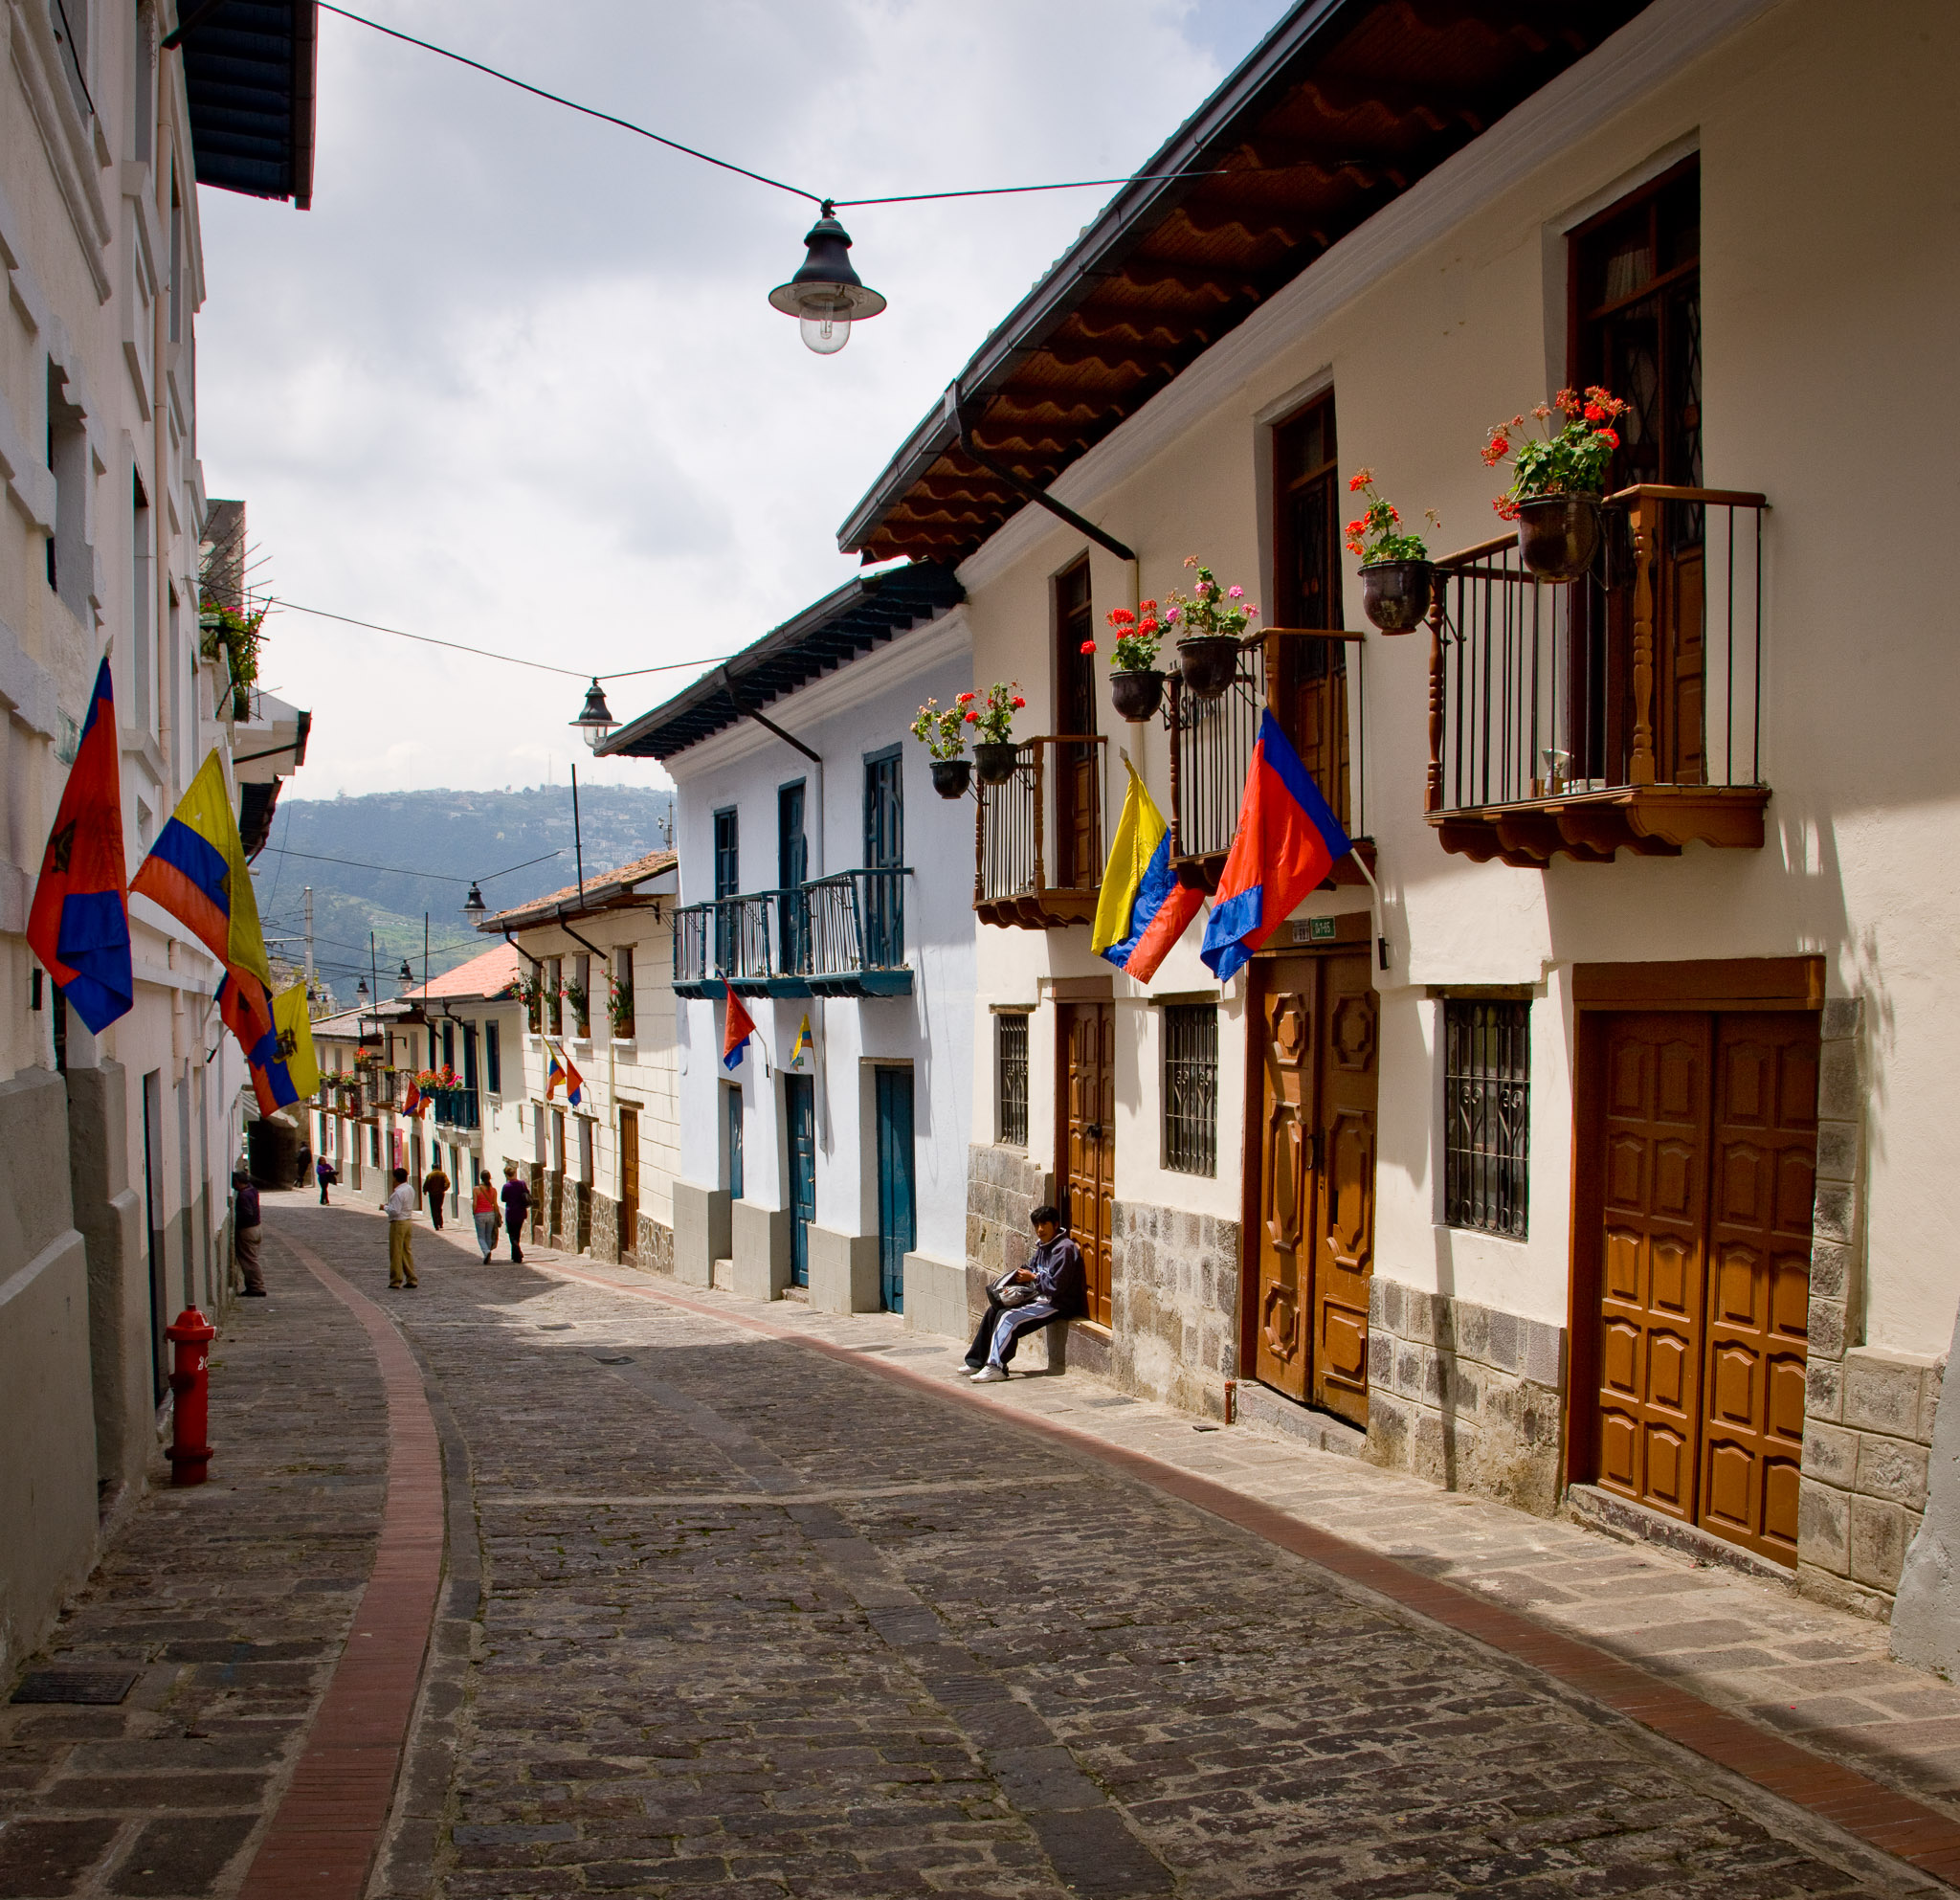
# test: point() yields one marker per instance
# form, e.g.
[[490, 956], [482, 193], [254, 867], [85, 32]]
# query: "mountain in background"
[[405, 853]]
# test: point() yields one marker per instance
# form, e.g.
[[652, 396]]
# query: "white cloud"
[[513, 381]]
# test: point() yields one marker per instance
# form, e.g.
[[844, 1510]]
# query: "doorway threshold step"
[[1633, 1523], [1274, 1412]]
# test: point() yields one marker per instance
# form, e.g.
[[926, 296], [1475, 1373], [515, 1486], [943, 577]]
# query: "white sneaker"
[[990, 1375]]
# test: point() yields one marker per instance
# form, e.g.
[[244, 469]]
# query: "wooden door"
[[1088, 1122], [1289, 1005], [898, 1213], [1709, 1144], [629, 1180], [1652, 1272], [1078, 839], [1759, 1252], [799, 1106], [1346, 1084], [1314, 1187]]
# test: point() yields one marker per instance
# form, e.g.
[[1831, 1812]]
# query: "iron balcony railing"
[[1038, 849], [1623, 709], [455, 1108], [1303, 677], [843, 934]]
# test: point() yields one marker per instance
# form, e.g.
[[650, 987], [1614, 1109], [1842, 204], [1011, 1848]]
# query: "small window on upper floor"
[[493, 1060]]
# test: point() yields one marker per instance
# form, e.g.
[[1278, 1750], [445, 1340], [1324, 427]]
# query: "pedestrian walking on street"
[[328, 1175], [483, 1205], [435, 1187], [247, 1232], [1060, 1287], [302, 1165], [516, 1209], [400, 1209]]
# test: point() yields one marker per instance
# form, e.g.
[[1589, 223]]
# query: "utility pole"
[[309, 939]]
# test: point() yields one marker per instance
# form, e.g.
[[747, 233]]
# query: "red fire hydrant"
[[192, 1335]]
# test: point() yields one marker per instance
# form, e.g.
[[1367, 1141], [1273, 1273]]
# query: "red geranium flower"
[[1019, 703], [964, 699], [1611, 437], [1595, 413], [972, 719], [1089, 646]]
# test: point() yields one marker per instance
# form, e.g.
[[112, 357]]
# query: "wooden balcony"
[[1038, 840], [1302, 675], [1622, 712]]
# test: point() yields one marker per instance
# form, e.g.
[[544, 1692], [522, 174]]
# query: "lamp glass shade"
[[596, 717], [827, 291]]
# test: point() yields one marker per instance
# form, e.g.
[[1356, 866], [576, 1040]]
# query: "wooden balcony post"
[[1432, 792], [1175, 683], [1640, 771], [1040, 883]]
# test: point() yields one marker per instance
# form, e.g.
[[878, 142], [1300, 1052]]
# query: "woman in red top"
[[483, 1205]]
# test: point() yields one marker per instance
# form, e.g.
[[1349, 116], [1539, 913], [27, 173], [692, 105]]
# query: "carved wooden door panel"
[[1347, 1085], [1284, 1207], [1088, 1044], [1759, 1249], [1652, 1271]]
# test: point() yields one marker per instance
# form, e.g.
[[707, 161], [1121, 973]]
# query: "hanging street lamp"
[[594, 720], [827, 293], [474, 904], [408, 975]]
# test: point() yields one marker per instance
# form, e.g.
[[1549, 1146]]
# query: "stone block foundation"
[[1464, 1396]]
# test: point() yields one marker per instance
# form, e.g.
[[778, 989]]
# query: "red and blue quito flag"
[[735, 1039], [79, 923], [1286, 843]]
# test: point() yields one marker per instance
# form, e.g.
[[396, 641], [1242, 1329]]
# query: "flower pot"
[[1394, 595], [1558, 535], [1136, 695], [1209, 664], [995, 759], [950, 778]]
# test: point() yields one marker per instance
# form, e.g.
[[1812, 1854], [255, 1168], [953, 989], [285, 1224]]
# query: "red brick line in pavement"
[[329, 1824], [1878, 1814]]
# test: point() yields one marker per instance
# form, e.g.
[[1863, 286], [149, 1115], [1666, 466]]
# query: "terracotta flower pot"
[[1209, 664], [1394, 595], [950, 778], [995, 759], [1558, 535], [1136, 695]]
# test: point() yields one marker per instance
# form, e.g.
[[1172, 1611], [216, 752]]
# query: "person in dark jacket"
[[246, 1233], [328, 1175], [1055, 1269], [302, 1164], [517, 1208], [436, 1190]]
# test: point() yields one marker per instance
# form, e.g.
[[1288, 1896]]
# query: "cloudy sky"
[[513, 380]]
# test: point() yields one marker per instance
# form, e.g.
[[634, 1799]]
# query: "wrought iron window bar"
[[1488, 1115], [1622, 711], [1190, 1089]]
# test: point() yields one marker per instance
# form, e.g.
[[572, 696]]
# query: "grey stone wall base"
[[1004, 1186], [1467, 1397], [1175, 1304], [1839, 1593], [1270, 1411], [758, 1276], [605, 1229], [759, 1243], [702, 1221], [655, 1251], [843, 1272], [936, 1298], [1925, 1618], [109, 1214]]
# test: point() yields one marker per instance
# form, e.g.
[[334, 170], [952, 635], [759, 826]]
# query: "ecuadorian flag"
[[561, 1071], [1142, 909], [197, 871], [283, 1065]]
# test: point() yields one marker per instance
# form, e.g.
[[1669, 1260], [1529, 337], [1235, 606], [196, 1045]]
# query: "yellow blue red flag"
[[283, 1065], [561, 1071], [1142, 909]]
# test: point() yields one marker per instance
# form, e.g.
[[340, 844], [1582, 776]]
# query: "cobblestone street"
[[724, 1615]]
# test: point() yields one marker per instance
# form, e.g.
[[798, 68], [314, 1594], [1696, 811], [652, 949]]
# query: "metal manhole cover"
[[104, 1685]]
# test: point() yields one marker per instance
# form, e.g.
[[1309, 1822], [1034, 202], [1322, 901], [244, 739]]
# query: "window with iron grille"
[[1010, 1060], [1190, 1089], [1487, 1115]]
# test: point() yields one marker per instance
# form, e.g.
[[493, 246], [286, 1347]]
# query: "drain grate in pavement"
[[102, 1686], [558, 1326], [624, 1359]]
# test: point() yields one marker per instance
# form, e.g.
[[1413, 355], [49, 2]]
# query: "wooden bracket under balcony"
[[1649, 820], [1046, 909]]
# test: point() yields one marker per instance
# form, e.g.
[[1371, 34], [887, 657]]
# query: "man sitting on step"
[[1055, 1271]]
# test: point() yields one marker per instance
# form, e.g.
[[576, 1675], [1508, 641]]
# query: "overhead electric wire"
[[402, 870], [509, 659], [762, 177]]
